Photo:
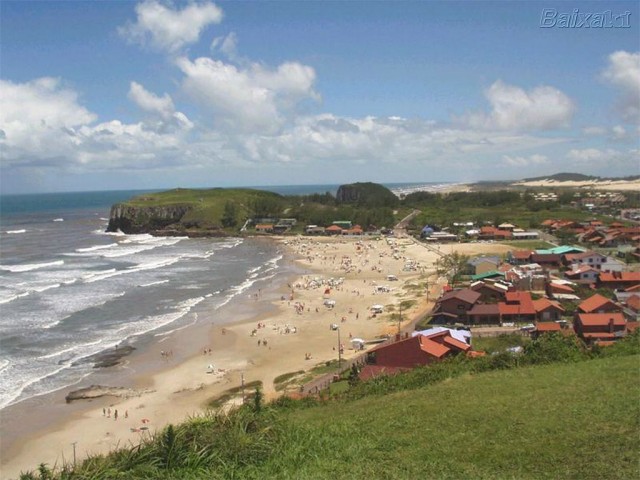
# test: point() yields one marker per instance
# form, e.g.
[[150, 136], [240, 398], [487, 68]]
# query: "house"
[[590, 258], [480, 265], [618, 280], [593, 327], [547, 310], [355, 230], [547, 260], [414, 351], [561, 290], [518, 307], [545, 327], [584, 274], [453, 305], [484, 314], [489, 293], [598, 304], [522, 235], [519, 257], [333, 230], [343, 224]]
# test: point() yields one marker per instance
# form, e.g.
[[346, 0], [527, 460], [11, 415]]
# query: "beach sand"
[[173, 388]]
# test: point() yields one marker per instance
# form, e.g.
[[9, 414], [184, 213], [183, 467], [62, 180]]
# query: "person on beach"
[[115, 414], [104, 412], [109, 413]]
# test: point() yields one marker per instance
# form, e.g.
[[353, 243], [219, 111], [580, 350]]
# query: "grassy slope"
[[560, 421]]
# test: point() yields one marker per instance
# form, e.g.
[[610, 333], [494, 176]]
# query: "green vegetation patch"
[[231, 393]]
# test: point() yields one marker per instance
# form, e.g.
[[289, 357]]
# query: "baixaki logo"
[[551, 18]]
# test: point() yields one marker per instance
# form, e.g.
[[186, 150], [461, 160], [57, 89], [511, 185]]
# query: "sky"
[[106, 95]]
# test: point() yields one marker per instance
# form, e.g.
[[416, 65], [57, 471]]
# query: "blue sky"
[[99, 95]]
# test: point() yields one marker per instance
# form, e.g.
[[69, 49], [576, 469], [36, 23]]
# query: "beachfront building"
[[413, 351]]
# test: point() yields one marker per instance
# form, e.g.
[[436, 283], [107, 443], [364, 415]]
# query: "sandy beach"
[[277, 330]]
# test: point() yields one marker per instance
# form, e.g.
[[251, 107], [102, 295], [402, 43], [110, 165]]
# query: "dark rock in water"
[[108, 358]]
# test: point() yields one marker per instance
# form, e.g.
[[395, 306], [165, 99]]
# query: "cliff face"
[[148, 219]]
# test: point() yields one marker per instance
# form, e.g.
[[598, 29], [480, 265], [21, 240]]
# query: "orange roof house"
[[547, 310], [598, 304], [333, 230], [600, 326], [518, 307], [411, 352], [615, 280]]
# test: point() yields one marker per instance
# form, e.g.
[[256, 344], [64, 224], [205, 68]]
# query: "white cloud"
[[606, 160], [519, 161], [38, 118], [247, 99], [168, 29], [623, 71], [513, 108], [594, 131], [228, 45], [150, 102], [43, 126]]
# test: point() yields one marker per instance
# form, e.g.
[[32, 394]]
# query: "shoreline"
[[180, 386]]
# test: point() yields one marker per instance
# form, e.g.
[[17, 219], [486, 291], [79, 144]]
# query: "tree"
[[229, 219], [453, 265]]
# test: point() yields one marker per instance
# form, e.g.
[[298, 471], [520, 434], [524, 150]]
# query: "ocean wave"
[[4, 363], [27, 267], [13, 232], [69, 349], [159, 282], [58, 219], [13, 297], [46, 287], [95, 248]]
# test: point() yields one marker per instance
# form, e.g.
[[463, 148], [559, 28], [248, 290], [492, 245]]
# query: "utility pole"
[[242, 385], [400, 319], [339, 351], [74, 454]]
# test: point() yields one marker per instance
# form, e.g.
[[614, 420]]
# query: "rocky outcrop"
[[97, 391], [146, 219]]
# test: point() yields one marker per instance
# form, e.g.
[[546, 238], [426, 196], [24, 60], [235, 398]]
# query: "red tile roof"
[[547, 327], [620, 277], [466, 295], [634, 302], [433, 348], [561, 288], [601, 319], [518, 303], [521, 254], [333, 228], [594, 303], [544, 303], [454, 342]]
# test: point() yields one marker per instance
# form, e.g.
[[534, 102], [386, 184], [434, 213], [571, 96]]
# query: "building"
[[598, 304], [590, 258], [411, 352], [618, 280], [517, 308], [595, 327], [453, 306], [583, 274], [547, 310]]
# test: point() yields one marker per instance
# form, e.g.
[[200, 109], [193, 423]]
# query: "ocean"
[[69, 290]]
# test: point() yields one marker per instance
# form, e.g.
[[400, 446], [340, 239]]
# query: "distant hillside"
[[193, 212], [366, 195], [578, 177]]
